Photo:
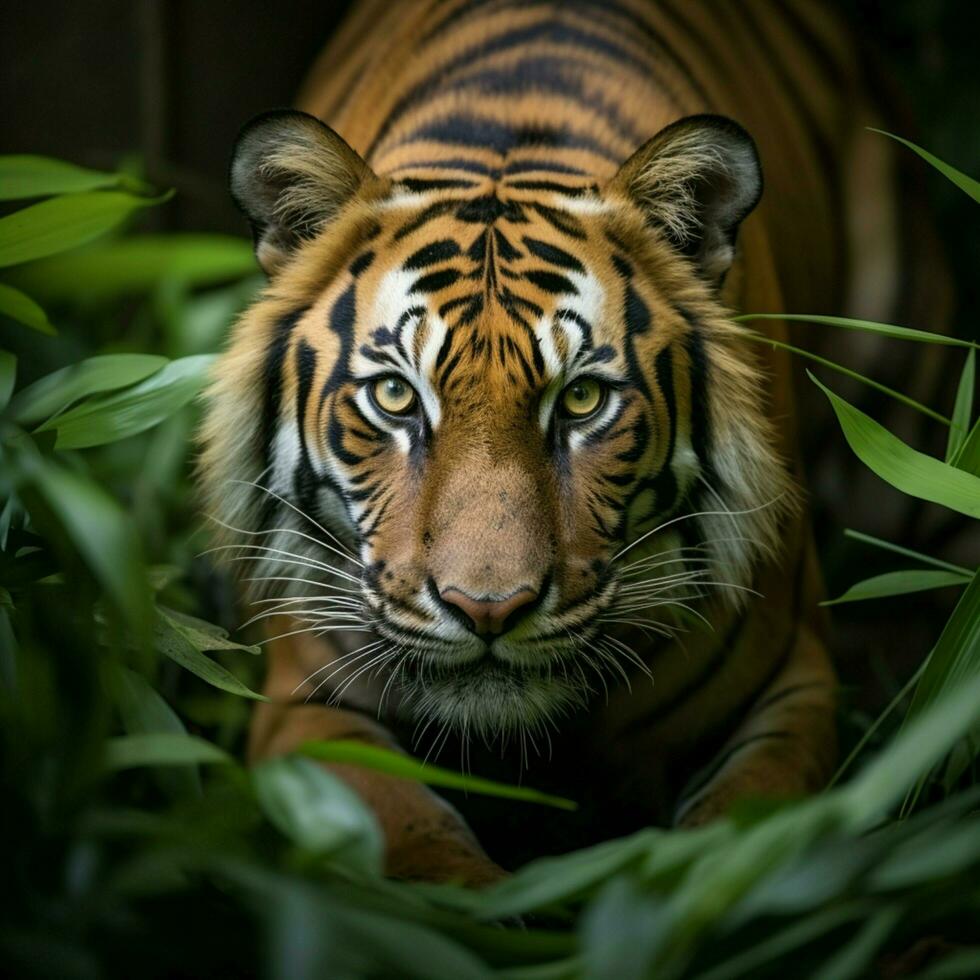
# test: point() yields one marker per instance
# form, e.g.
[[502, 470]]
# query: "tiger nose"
[[487, 616]]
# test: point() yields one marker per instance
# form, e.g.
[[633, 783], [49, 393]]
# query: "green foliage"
[[142, 844]]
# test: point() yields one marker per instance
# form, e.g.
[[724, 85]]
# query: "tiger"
[[508, 476]]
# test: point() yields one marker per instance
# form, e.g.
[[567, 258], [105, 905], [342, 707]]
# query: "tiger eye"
[[582, 398], [394, 395]]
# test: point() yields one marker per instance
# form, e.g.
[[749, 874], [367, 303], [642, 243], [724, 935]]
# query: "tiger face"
[[500, 391]]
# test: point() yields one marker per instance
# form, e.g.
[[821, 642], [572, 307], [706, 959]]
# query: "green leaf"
[[23, 176], [956, 657], [962, 409], [907, 469], [405, 767], [20, 307], [66, 222], [94, 375], [847, 372], [161, 749], [184, 645], [8, 377], [948, 707], [121, 414], [114, 269], [548, 881], [868, 326], [966, 184], [899, 583], [968, 458], [907, 552], [204, 635], [93, 522], [320, 813], [144, 711]]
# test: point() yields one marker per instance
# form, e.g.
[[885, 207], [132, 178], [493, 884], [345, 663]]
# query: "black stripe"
[[550, 31], [553, 254], [424, 217], [664, 485], [700, 420], [419, 185], [552, 186], [551, 282], [463, 129], [561, 220], [342, 318], [435, 281], [440, 251], [272, 371], [542, 166]]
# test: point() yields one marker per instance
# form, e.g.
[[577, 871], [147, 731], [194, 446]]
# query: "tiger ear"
[[696, 180], [290, 175]]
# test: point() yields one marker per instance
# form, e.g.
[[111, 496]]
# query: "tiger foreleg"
[[425, 838], [785, 748]]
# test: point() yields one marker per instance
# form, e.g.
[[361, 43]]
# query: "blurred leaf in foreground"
[[62, 223], [320, 813], [24, 176], [20, 307], [56, 391], [116, 416]]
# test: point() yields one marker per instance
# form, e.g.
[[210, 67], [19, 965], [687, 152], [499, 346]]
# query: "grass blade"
[[907, 552], [405, 767], [868, 326], [966, 184], [840, 369], [962, 409], [899, 583]]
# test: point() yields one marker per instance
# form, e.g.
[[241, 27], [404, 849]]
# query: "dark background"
[[167, 84]]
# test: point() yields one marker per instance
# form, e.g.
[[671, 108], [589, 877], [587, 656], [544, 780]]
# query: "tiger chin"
[[493, 451]]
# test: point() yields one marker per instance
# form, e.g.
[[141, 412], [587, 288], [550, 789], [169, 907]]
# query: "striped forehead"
[[483, 276]]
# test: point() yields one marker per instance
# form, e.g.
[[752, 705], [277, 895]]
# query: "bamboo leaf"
[[405, 767], [868, 326], [23, 176], [899, 583], [112, 270], [92, 521], [94, 375], [968, 457], [161, 749], [320, 813], [966, 184], [8, 377], [962, 409], [20, 307], [902, 466], [956, 657], [174, 640], [66, 222], [145, 712], [126, 413]]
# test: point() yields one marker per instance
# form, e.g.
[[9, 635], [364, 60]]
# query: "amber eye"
[[394, 396], [582, 398]]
